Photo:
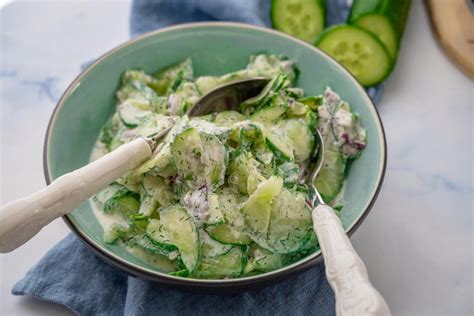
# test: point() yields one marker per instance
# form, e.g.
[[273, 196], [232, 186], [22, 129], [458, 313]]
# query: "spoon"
[[345, 270], [20, 220]]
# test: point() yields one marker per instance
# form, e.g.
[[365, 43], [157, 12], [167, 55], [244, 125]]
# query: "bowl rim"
[[154, 275]]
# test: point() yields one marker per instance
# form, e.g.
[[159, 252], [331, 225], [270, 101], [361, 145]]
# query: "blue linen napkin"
[[71, 275]]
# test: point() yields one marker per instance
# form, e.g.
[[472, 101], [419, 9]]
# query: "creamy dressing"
[[197, 204], [107, 221], [339, 127]]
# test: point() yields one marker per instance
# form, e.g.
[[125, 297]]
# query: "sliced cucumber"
[[381, 27], [304, 19], [170, 78], [279, 82], [186, 154], [239, 170], [263, 260], [214, 157], [158, 165], [228, 234], [229, 264], [359, 51], [230, 202], [228, 118], [312, 101], [136, 89], [115, 232], [253, 181], [301, 137], [208, 83], [384, 18], [257, 208], [183, 99], [133, 112], [215, 212], [205, 127], [107, 193], [144, 242], [122, 201], [147, 203], [269, 66], [290, 222], [331, 175], [110, 130], [279, 143], [289, 172], [159, 189], [176, 228], [270, 114], [210, 247]]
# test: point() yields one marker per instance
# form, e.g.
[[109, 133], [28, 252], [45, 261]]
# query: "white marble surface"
[[417, 241]]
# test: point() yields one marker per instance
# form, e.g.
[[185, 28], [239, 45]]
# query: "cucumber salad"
[[223, 195]]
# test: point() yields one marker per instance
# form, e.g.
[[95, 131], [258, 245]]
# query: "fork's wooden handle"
[[20, 220], [345, 271]]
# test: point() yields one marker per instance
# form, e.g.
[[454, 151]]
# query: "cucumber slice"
[[210, 247], [239, 170], [268, 65], [279, 82], [215, 213], [107, 193], [186, 154], [270, 114], [384, 18], [159, 164], [229, 264], [227, 234], [123, 201], [290, 222], [184, 98], [257, 208], [134, 112], [303, 19], [159, 189], [289, 172], [263, 260], [232, 231], [382, 28], [359, 51], [301, 137], [205, 127], [144, 242], [214, 157], [170, 78], [331, 175], [147, 203], [177, 229], [135, 89], [228, 118], [115, 232], [279, 143], [312, 101]]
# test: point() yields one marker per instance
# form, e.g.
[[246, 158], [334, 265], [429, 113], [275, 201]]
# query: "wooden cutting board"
[[453, 24]]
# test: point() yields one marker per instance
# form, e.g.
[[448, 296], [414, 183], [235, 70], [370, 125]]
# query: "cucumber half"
[[359, 51], [303, 19], [331, 176]]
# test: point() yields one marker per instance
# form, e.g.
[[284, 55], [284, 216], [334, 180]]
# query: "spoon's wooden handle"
[[345, 271], [20, 220]]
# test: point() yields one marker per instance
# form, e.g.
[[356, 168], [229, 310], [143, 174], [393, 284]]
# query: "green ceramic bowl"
[[216, 48]]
